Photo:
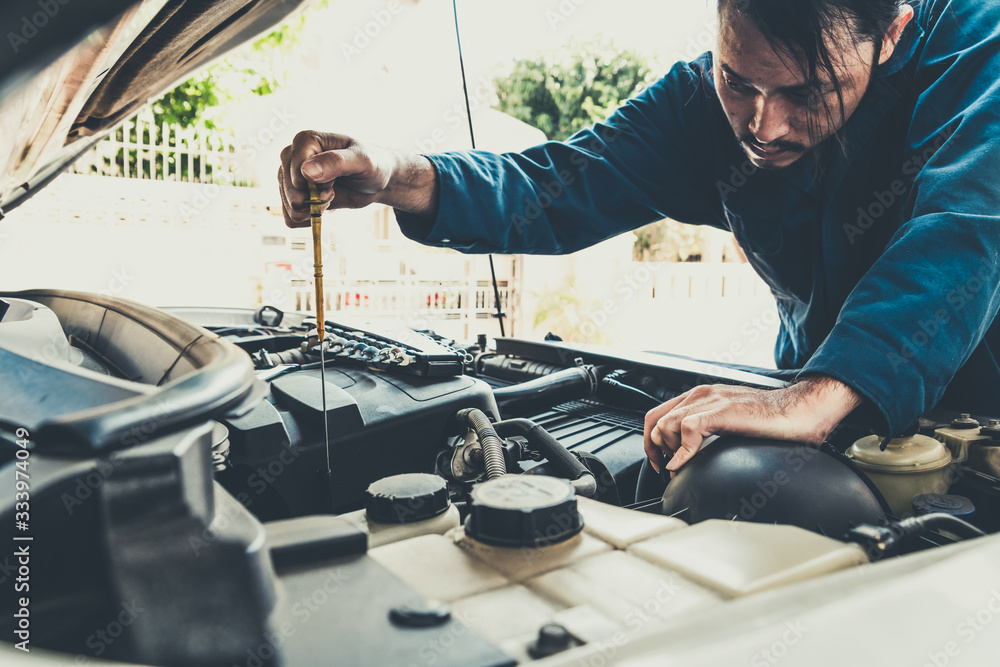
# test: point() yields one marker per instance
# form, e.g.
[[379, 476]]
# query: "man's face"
[[775, 110]]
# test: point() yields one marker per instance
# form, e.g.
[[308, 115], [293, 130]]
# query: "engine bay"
[[476, 503]]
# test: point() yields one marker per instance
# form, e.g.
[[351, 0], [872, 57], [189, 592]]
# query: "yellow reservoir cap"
[[915, 453]]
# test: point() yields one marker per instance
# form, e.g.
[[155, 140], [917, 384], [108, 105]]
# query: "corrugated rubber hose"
[[496, 465]]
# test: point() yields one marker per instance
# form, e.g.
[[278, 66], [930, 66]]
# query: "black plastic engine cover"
[[770, 481], [380, 424]]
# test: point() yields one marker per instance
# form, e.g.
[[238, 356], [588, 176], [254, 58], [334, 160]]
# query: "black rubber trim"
[[202, 375]]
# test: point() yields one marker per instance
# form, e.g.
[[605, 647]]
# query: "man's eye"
[[734, 85], [810, 98]]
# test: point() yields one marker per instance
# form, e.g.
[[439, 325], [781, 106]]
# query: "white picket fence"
[[457, 299], [697, 280], [461, 307], [143, 149]]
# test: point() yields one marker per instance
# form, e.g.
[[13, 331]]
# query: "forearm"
[[639, 166], [826, 399], [413, 186]]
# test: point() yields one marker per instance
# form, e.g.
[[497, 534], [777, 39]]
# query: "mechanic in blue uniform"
[[852, 147]]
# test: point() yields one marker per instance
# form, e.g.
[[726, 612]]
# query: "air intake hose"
[[559, 387]]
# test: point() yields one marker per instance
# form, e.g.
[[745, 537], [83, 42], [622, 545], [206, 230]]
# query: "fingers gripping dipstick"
[[316, 218]]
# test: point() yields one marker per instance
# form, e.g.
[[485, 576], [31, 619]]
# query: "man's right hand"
[[349, 174]]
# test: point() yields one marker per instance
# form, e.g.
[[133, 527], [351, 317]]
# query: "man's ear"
[[893, 33]]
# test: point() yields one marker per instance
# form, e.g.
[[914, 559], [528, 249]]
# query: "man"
[[852, 148]]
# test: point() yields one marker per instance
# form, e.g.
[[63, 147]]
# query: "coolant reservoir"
[[404, 506], [521, 511], [909, 466]]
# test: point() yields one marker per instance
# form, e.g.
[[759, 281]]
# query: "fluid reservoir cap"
[[406, 498], [916, 453], [523, 511], [963, 421], [992, 429], [930, 503]]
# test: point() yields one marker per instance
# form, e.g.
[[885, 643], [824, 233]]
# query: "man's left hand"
[[806, 411]]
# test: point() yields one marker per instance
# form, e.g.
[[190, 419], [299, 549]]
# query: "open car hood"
[[75, 70]]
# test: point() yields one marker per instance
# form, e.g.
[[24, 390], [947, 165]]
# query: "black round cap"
[[769, 481], [523, 511], [552, 638], [992, 429], [420, 616], [406, 498], [934, 503], [964, 421]]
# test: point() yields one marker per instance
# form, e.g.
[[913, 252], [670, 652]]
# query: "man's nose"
[[770, 120]]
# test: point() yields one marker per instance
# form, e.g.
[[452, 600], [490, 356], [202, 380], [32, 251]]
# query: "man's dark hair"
[[798, 29]]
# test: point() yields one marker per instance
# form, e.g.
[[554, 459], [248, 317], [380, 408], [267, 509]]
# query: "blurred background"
[[179, 207]]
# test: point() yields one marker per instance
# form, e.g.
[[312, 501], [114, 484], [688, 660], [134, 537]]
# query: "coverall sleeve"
[[639, 166], [927, 302]]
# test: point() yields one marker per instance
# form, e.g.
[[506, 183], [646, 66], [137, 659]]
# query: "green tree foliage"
[[185, 104], [563, 92]]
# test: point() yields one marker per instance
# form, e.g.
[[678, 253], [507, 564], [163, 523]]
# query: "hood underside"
[[75, 71]]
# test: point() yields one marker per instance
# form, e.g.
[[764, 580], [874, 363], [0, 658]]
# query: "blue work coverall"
[[883, 262]]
